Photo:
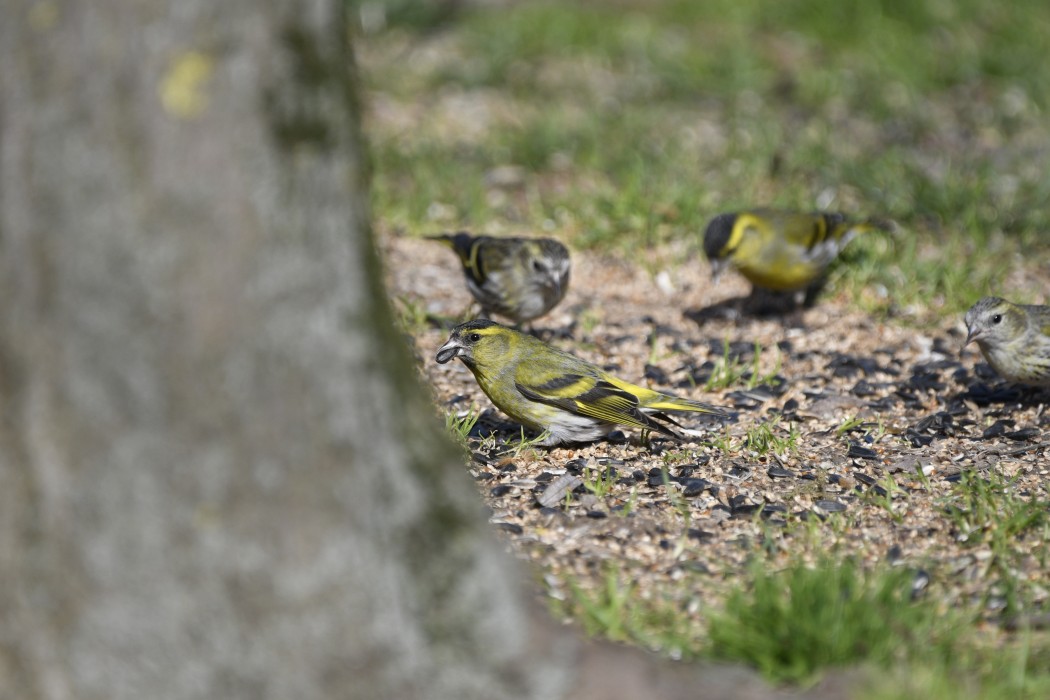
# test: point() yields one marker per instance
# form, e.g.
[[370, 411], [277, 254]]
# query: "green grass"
[[760, 438], [793, 623], [990, 513], [634, 122], [731, 371], [459, 424], [631, 123], [796, 623], [599, 480], [769, 436], [615, 611]]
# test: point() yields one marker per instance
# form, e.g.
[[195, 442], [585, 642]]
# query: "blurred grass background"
[[629, 123]]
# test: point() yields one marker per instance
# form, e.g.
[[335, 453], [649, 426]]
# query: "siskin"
[[558, 394], [1014, 339], [517, 278], [779, 251]]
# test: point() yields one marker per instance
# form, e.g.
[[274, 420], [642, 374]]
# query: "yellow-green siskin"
[[1014, 339], [780, 251], [517, 278], [551, 391]]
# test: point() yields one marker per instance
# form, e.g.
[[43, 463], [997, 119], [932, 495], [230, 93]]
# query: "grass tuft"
[[791, 624]]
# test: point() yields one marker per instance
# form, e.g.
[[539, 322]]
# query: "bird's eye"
[[997, 318], [537, 266], [475, 337]]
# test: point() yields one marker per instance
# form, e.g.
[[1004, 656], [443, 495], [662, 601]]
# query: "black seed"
[[544, 478], [858, 451], [746, 510], [996, 429], [884, 403], [739, 472], [940, 423], [501, 490], [1023, 434], [638, 475], [695, 487], [863, 388], [916, 440], [484, 476], [597, 514], [830, 506], [894, 554], [512, 528], [700, 535], [508, 467], [575, 466], [739, 350], [924, 380], [863, 478], [791, 405], [743, 399], [770, 508], [657, 480], [655, 374]]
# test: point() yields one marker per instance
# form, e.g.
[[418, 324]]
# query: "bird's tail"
[[663, 402]]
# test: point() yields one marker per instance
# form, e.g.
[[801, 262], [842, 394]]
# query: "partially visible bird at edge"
[[1014, 339]]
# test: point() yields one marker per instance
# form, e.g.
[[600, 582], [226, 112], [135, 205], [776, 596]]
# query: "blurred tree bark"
[[218, 476]]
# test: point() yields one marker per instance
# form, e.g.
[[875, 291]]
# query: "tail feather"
[[674, 403]]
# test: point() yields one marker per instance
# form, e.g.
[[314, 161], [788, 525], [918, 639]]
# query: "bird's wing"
[[1041, 316], [591, 396], [656, 401]]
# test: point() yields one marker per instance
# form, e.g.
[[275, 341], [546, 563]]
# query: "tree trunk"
[[218, 476]]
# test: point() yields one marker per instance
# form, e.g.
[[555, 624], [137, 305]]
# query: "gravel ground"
[[681, 520]]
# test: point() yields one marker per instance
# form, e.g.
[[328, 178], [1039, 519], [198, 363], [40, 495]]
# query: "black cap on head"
[[475, 325], [833, 219], [717, 235]]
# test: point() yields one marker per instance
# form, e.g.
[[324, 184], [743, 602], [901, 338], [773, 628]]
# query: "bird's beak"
[[450, 350], [971, 335], [717, 268]]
